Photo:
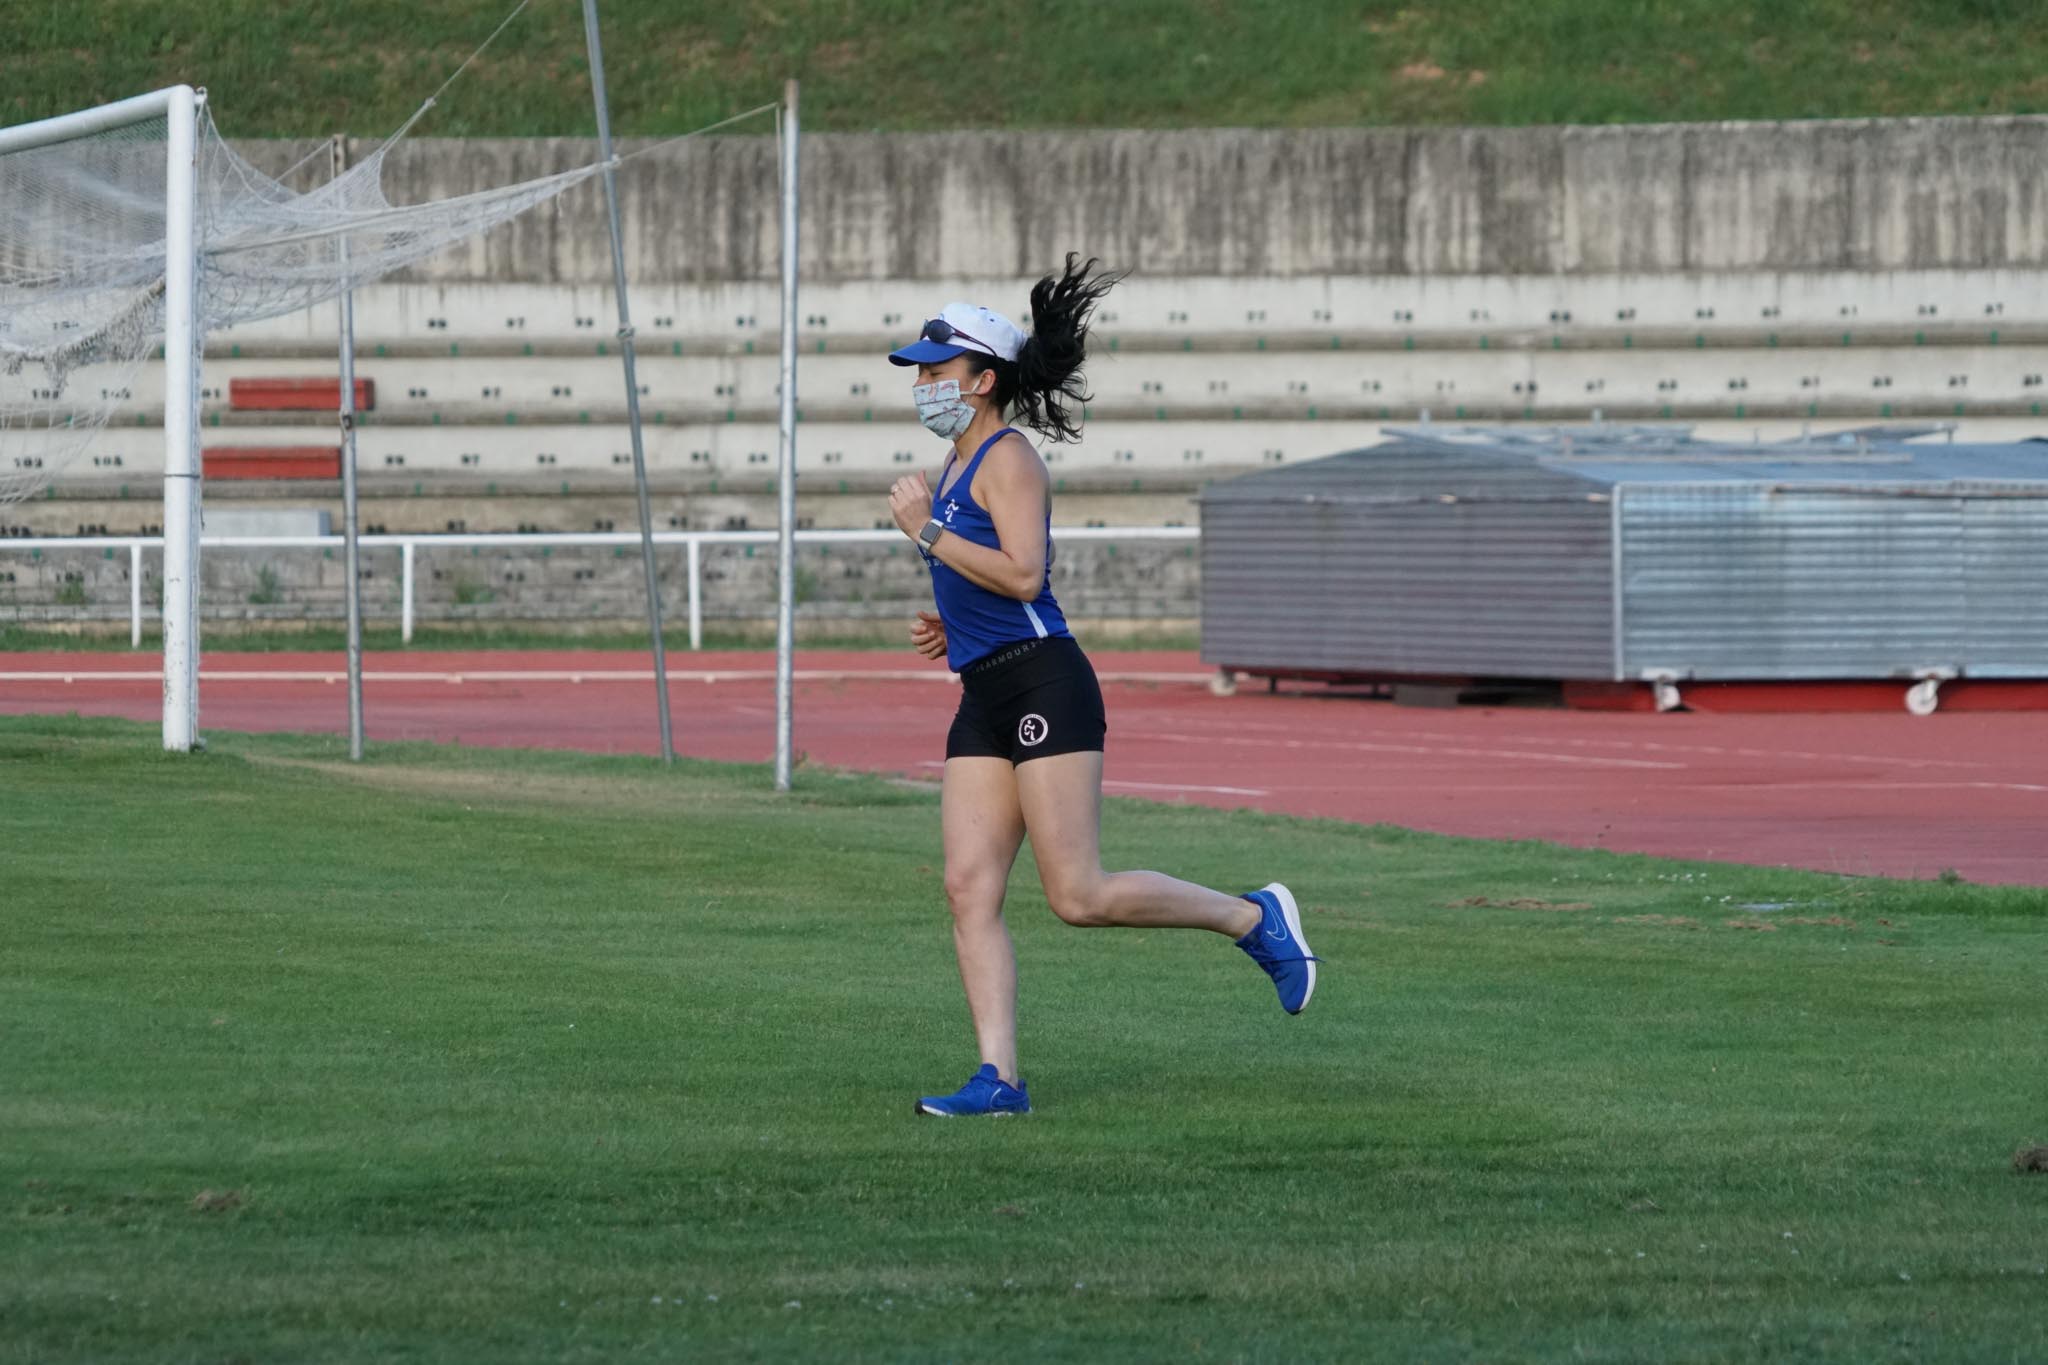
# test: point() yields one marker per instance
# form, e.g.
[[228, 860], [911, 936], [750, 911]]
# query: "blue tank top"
[[979, 622]]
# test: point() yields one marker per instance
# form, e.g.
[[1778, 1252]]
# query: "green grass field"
[[316, 67], [504, 1056]]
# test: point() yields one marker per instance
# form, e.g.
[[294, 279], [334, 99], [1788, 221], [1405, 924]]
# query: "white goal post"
[[178, 107], [136, 224]]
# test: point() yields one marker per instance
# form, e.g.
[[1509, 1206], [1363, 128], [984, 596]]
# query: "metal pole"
[[611, 199], [696, 558], [785, 612], [405, 616], [135, 596], [181, 427], [351, 550]]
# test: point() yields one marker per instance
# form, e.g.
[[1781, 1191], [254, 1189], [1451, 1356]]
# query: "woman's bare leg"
[[983, 828], [1061, 799]]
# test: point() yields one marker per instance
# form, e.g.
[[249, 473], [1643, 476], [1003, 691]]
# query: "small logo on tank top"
[[1032, 730], [951, 507]]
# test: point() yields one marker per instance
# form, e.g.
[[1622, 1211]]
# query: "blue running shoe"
[[1278, 946], [984, 1093]]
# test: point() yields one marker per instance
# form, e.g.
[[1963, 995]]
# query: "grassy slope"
[[522, 1056], [316, 67]]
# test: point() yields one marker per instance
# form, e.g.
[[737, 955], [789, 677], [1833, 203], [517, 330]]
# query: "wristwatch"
[[929, 535]]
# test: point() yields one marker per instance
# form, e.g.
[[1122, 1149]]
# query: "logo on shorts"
[[1032, 730]]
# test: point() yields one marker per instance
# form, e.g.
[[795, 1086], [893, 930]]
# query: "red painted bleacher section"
[[284, 462], [271, 462], [296, 395]]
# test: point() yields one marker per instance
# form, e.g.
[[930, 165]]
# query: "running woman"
[[1024, 755]]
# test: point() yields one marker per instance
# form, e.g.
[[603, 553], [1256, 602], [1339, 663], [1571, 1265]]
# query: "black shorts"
[[1030, 700]]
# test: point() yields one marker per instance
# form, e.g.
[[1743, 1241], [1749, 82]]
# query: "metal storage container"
[[1626, 554]]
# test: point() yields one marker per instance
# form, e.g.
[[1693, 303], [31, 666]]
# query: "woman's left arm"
[[1014, 489]]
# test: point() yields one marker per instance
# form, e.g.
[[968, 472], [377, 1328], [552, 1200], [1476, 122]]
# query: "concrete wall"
[[1923, 194]]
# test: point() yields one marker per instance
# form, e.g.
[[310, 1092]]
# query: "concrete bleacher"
[[1191, 381], [1294, 294]]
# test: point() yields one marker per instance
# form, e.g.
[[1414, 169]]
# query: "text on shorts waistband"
[[1002, 656]]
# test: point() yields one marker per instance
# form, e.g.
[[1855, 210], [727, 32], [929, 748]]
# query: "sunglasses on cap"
[[943, 332]]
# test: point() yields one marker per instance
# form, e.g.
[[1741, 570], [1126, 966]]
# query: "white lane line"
[[47, 676], [1204, 679], [1653, 746], [1426, 750], [1184, 787], [1152, 786], [2030, 787], [1659, 746]]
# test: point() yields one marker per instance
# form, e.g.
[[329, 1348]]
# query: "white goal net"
[[86, 268], [136, 226], [82, 272]]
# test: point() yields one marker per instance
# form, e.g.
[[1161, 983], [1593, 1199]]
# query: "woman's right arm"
[[928, 635]]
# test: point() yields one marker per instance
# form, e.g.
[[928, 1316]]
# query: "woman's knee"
[[1080, 901], [974, 891]]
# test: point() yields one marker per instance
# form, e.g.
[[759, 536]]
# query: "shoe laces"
[[1260, 952], [977, 1084]]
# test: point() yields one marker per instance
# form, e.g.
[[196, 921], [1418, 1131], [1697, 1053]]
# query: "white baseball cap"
[[962, 327]]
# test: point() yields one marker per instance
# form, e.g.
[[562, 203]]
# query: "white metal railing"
[[407, 545]]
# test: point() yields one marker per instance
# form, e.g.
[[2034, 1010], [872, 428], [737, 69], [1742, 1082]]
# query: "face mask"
[[941, 408]]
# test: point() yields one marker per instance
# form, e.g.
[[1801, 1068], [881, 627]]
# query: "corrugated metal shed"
[[1632, 553]]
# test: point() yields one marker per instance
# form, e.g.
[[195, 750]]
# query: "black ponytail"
[[1046, 378]]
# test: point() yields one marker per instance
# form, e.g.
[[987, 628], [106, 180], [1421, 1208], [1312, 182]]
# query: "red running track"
[[1856, 793]]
